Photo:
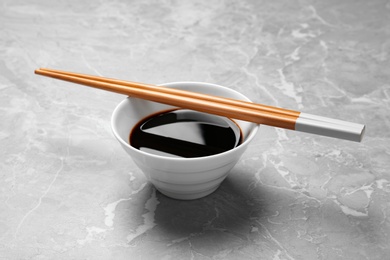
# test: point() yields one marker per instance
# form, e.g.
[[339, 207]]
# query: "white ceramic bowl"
[[180, 178]]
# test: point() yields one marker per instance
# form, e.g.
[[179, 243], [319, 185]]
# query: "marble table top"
[[69, 191]]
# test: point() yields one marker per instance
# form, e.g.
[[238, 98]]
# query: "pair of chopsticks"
[[231, 108]]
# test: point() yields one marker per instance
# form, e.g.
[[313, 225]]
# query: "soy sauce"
[[185, 133]]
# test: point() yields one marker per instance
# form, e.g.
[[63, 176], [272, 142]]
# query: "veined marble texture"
[[69, 191]]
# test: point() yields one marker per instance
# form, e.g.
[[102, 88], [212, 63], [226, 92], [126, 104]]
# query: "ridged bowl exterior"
[[179, 178]]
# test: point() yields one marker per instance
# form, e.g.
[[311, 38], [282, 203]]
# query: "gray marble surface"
[[68, 191]]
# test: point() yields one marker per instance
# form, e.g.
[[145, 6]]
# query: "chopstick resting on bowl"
[[231, 108]]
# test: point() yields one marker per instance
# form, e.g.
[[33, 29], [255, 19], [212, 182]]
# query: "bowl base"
[[188, 196]]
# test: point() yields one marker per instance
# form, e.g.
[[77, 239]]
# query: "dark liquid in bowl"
[[185, 133]]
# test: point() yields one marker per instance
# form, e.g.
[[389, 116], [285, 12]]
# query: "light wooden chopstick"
[[183, 93], [179, 98], [237, 109]]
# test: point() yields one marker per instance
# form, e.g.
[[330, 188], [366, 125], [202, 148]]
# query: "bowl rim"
[[174, 84]]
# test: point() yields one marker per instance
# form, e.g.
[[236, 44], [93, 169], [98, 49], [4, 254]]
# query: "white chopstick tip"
[[330, 127], [362, 133]]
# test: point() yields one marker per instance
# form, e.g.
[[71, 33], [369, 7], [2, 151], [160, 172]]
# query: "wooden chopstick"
[[237, 109], [159, 94], [183, 93]]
